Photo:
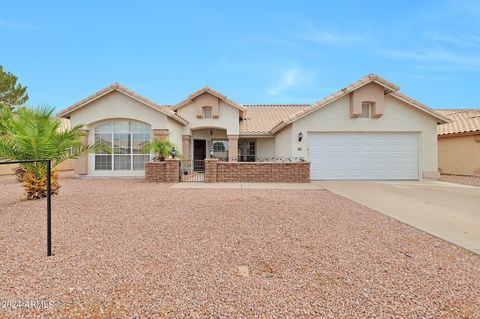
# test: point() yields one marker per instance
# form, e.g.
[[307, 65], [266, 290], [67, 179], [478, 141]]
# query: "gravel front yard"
[[458, 179], [126, 248]]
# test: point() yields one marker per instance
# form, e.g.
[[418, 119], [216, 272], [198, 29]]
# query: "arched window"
[[125, 140]]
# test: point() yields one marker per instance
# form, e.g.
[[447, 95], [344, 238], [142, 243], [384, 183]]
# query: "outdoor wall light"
[[300, 136], [211, 151], [173, 152]]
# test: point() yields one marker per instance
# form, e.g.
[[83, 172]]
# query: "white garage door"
[[363, 156]]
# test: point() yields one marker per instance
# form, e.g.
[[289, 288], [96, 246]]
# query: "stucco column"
[[186, 146], [160, 134], [232, 148], [81, 163]]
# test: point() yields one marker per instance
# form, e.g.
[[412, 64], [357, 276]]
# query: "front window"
[[125, 140], [220, 149], [246, 151]]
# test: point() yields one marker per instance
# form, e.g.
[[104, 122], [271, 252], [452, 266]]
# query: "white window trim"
[[112, 172]]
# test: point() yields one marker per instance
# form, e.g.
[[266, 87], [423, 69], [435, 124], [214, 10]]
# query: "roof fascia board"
[[111, 89], [440, 117]]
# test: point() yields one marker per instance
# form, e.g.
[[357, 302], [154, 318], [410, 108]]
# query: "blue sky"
[[252, 51]]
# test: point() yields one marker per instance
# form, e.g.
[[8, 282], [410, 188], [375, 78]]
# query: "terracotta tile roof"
[[265, 119], [462, 121], [120, 88], [261, 118]]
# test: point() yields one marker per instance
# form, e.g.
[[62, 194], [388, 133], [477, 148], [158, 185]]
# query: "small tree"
[[161, 148], [11, 93], [33, 133]]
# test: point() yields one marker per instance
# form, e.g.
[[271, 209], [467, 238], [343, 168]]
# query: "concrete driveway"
[[446, 210]]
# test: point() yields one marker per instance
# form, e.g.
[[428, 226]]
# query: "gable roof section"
[[122, 89], [463, 121], [207, 89], [422, 107], [390, 88]]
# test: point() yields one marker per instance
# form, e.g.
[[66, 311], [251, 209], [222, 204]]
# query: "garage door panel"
[[351, 156]]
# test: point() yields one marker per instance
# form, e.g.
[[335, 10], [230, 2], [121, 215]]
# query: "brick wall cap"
[[261, 163]]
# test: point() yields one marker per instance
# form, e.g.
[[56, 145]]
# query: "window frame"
[[249, 157], [219, 154], [113, 133], [206, 109], [369, 105]]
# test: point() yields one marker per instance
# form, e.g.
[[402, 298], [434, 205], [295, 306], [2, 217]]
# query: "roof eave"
[[256, 134], [67, 111], [458, 134], [213, 92], [390, 89], [441, 119], [117, 87]]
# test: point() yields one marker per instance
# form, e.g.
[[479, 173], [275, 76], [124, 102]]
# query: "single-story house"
[[459, 142], [366, 131]]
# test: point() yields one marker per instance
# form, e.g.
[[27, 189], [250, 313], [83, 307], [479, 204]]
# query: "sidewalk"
[[248, 185]]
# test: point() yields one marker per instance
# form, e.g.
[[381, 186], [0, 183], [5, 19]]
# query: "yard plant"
[[33, 133], [11, 92], [161, 148]]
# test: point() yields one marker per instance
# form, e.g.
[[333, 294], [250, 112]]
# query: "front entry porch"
[[192, 171], [210, 143]]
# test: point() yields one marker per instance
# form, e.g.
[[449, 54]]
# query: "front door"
[[199, 154]]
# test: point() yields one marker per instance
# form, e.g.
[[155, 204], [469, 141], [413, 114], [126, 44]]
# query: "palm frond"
[[33, 133]]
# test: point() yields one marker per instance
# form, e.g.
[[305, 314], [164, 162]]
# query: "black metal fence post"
[[49, 208], [49, 197]]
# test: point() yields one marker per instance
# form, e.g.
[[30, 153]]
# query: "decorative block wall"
[[163, 172], [233, 172], [259, 172], [211, 170]]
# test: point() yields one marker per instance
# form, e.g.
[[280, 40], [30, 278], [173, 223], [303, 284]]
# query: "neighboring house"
[[367, 130], [459, 142]]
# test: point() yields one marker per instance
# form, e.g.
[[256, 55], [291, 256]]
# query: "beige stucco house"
[[459, 142], [368, 130]]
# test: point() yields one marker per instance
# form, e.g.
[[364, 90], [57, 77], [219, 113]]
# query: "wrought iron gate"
[[192, 170]]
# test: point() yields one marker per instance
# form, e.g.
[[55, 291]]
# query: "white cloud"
[[464, 40], [331, 38], [11, 24], [429, 77], [470, 7], [289, 78], [441, 57]]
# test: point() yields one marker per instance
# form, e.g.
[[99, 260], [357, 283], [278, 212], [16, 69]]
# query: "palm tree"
[[161, 148], [33, 133]]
